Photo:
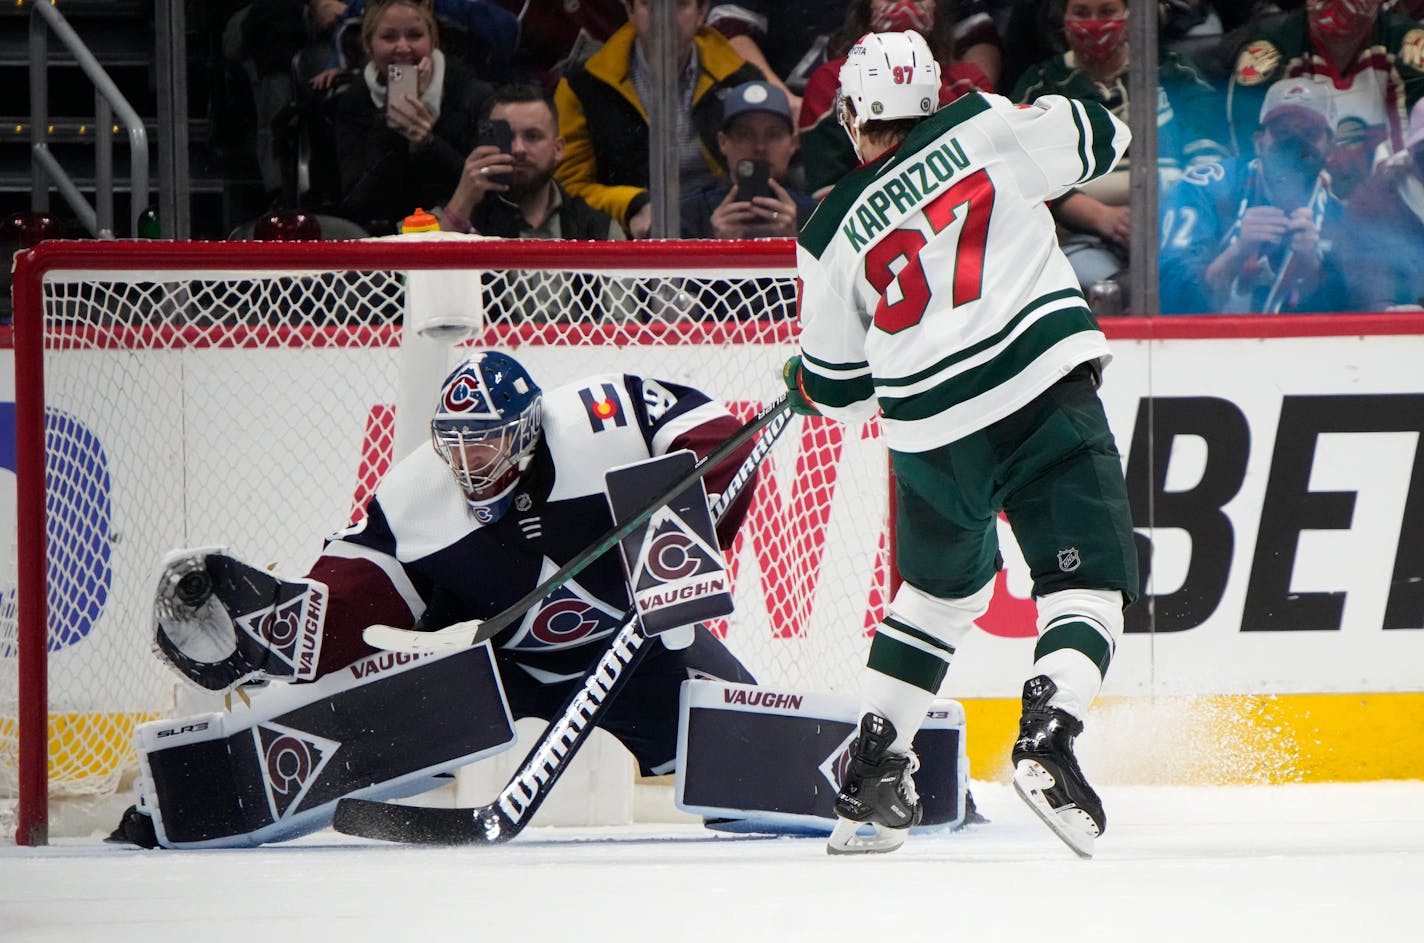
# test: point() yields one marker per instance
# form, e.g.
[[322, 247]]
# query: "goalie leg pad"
[[221, 623], [775, 757], [382, 728]]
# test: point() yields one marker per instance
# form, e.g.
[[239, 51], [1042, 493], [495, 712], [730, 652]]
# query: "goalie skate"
[[878, 793], [1046, 773]]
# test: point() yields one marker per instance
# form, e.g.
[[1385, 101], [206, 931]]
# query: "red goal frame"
[[31, 267]]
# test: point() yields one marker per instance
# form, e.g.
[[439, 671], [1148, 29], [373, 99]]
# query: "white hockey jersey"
[[932, 281], [418, 552]]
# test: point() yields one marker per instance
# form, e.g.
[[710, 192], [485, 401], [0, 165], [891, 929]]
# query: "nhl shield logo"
[[1068, 559]]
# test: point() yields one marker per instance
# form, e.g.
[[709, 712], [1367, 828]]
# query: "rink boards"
[[1277, 481]]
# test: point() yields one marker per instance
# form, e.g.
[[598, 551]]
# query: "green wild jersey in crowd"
[[932, 281]]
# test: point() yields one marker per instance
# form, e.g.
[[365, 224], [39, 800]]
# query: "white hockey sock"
[[911, 653], [1078, 631]]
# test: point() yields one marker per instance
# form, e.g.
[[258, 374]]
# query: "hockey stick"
[[551, 754], [773, 418]]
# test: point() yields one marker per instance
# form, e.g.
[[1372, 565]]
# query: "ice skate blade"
[[1074, 826], [846, 839]]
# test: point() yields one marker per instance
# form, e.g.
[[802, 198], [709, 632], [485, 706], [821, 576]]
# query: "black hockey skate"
[[878, 791], [1046, 774]]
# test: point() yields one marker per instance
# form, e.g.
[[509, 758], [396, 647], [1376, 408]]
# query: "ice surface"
[[1248, 863]]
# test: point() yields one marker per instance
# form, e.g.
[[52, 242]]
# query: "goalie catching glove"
[[221, 623], [796, 396]]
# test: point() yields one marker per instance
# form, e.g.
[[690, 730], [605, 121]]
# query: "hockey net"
[[246, 395]]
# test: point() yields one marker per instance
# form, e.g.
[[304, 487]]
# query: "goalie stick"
[[462, 634], [505, 817]]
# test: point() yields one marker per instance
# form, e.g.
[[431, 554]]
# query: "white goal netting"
[[247, 395]]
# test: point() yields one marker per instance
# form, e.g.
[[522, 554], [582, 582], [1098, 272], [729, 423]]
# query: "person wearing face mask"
[[1363, 56], [1262, 234], [1095, 220], [960, 47]]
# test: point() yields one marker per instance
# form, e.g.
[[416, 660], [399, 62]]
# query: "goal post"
[[248, 395]]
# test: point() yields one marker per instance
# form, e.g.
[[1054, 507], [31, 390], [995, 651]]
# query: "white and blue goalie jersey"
[[420, 554]]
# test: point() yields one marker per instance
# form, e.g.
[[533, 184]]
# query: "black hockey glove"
[[796, 396]]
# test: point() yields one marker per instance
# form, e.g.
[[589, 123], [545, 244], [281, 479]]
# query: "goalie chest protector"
[[776, 756]]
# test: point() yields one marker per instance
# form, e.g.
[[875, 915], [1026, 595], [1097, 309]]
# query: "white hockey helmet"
[[887, 76], [486, 427]]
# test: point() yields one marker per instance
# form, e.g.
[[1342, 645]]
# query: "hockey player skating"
[[933, 287], [509, 488]]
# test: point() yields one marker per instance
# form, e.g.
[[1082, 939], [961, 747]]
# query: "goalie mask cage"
[[246, 395]]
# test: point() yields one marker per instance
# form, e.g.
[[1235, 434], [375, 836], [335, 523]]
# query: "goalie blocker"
[[677, 575]]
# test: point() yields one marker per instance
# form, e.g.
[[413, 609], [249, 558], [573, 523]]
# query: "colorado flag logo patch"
[[603, 407]]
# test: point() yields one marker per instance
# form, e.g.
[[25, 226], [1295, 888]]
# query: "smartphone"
[[400, 82], [752, 179], [497, 132]]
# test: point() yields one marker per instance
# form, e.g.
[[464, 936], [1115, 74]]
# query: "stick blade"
[[391, 639], [420, 825]]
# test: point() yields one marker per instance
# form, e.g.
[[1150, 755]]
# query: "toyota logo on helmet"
[[887, 76]]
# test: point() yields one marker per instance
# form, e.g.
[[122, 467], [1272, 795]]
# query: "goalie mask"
[[886, 77], [486, 428]]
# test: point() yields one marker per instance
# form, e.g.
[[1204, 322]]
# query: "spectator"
[[530, 205], [1386, 224], [1032, 32], [756, 127], [1364, 60], [603, 113], [826, 151], [1096, 220], [556, 35], [259, 40], [977, 40], [395, 156], [326, 19], [789, 39], [1259, 234], [785, 39], [489, 32]]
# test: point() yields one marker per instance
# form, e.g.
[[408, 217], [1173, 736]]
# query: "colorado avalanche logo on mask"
[[467, 396]]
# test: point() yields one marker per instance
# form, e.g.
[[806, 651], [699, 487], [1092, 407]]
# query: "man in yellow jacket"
[[604, 120]]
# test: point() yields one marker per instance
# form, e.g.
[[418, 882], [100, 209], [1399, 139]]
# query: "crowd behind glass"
[[1281, 126]]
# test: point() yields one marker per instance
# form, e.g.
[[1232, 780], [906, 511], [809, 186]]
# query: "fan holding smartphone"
[[405, 124], [406, 110], [507, 185], [756, 200]]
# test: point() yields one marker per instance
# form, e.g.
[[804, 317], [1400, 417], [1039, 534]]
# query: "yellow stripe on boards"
[[1223, 739]]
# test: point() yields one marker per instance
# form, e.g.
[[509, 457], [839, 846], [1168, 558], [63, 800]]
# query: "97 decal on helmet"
[[887, 76], [486, 427]]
